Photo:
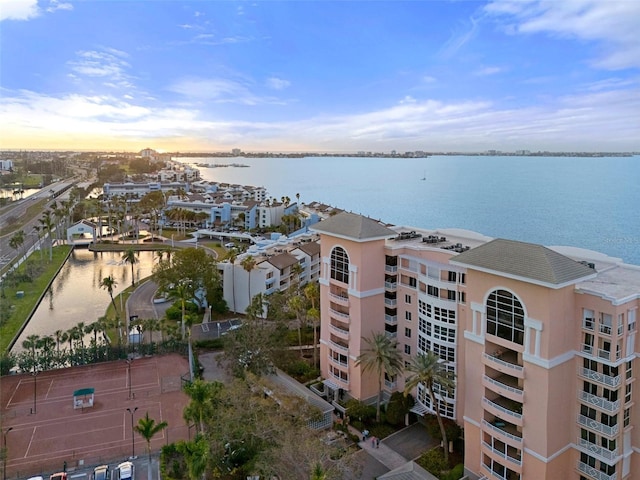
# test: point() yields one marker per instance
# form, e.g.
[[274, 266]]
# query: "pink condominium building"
[[543, 342]]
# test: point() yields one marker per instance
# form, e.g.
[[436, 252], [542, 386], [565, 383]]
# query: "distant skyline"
[[320, 76]]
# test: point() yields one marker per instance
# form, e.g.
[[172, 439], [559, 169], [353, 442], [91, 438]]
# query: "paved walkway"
[[382, 453]]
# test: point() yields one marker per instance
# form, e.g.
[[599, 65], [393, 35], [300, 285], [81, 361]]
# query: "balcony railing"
[[594, 473], [339, 330], [340, 379], [509, 388], [390, 385], [594, 449], [391, 268], [601, 377], [588, 323], [391, 319], [338, 362], [338, 346], [605, 329], [339, 298], [515, 461], [499, 430], [587, 349], [597, 426], [338, 314], [504, 410], [391, 335], [499, 361], [390, 285], [600, 402], [392, 302]]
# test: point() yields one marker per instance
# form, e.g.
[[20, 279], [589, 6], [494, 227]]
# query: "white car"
[[125, 471]]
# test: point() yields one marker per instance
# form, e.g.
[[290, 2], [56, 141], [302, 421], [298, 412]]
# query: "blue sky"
[[320, 76]]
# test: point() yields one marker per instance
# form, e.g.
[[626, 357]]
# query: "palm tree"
[[232, 260], [428, 369], [59, 336], [248, 263], [312, 292], [17, 240], [382, 357], [204, 396], [47, 224], [31, 343], [147, 428], [131, 256], [181, 292], [109, 284]]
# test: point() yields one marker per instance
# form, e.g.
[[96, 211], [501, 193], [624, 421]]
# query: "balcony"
[[597, 426], [390, 302], [341, 299], [600, 377], [339, 346], [601, 403], [514, 460], [389, 385], [391, 335], [595, 474], [338, 362], [390, 285], [505, 362], [588, 324], [391, 319], [504, 406], [391, 268], [338, 314], [340, 330], [504, 429], [504, 385], [593, 449], [605, 329]]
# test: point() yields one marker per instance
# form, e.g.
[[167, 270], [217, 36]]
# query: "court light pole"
[[5, 452], [35, 389], [133, 443]]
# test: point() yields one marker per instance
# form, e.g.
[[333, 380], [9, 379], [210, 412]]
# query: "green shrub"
[[358, 410], [398, 407], [433, 461], [456, 473]]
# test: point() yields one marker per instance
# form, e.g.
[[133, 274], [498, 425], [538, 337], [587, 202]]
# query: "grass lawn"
[[22, 308], [16, 223]]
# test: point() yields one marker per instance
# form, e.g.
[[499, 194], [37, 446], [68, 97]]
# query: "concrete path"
[[382, 453]]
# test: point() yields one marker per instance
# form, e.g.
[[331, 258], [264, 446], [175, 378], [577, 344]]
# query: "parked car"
[[101, 473], [59, 476], [125, 471]]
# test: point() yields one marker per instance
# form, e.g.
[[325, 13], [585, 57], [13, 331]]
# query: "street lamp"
[[5, 452], [129, 361], [35, 389], [133, 444]]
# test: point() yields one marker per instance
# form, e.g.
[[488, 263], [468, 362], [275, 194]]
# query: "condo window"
[[407, 349], [340, 265], [505, 316]]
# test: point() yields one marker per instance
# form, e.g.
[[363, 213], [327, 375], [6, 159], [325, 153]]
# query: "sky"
[[343, 76]]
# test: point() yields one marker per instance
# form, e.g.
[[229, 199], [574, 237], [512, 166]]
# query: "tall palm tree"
[[232, 260], [181, 292], [312, 292], [382, 356], [109, 284], [31, 343], [248, 263], [204, 397], [47, 224], [131, 256], [147, 428], [59, 336], [428, 369], [17, 240]]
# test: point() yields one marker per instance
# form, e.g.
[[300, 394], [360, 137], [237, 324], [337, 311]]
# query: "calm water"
[[75, 295], [585, 202]]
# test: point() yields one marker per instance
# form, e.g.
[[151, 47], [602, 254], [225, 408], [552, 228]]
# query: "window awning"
[[330, 384]]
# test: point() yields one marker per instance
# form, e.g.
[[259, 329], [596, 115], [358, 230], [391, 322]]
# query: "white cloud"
[[613, 24], [486, 71], [29, 9], [107, 63], [429, 79], [278, 83], [18, 9], [459, 38], [219, 90]]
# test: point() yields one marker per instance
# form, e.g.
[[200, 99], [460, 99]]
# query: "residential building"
[[542, 341]]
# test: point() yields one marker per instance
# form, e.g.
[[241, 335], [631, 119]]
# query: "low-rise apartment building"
[[542, 341]]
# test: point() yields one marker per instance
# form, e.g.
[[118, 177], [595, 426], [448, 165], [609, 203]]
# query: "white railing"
[[339, 330], [391, 335], [390, 385], [598, 426], [605, 354], [339, 298], [587, 348], [588, 323], [392, 319], [600, 402], [391, 268], [502, 432], [390, 284], [509, 388], [502, 409], [503, 363], [338, 362], [601, 377], [595, 473], [503, 454], [337, 377], [597, 449], [605, 329], [338, 314], [392, 302], [338, 346], [492, 473]]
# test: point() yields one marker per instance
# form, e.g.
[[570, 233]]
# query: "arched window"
[[505, 316], [340, 265]]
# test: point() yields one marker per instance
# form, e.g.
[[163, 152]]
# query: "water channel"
[[75, 294]]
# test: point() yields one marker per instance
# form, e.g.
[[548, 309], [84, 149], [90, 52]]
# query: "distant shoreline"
[[400, 155]]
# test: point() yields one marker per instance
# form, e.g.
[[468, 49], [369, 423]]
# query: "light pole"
[[133, 444], [5, 452], [35, 389], [129, 361]]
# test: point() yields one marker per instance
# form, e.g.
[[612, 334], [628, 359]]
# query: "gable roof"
[[283, 261], [534, 263], [353, 227], [311, 249]]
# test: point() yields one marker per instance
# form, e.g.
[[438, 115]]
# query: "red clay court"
[[41, 442]]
